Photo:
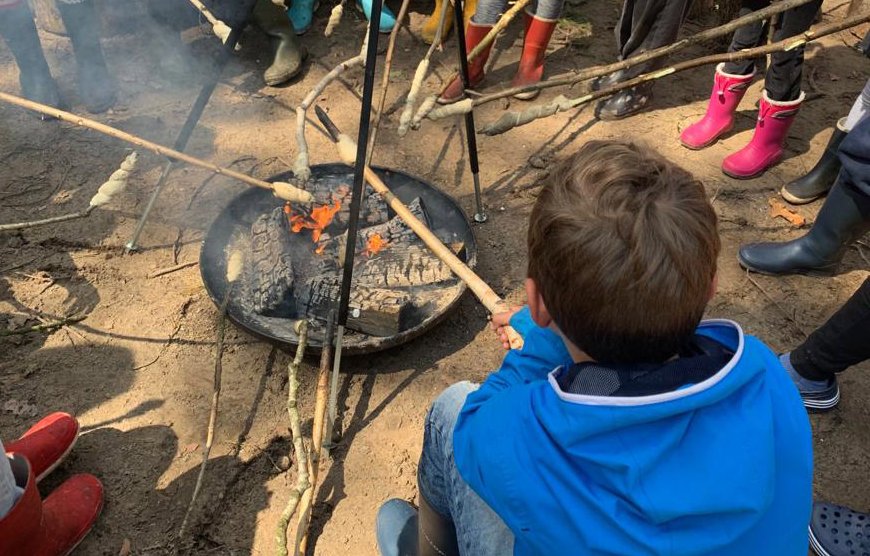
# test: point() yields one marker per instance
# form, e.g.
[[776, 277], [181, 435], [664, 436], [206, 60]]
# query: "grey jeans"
[[9, 491], [861, 108], [479, 530], [488, 11]]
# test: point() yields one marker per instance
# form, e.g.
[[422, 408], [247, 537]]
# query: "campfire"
[[294, 254]]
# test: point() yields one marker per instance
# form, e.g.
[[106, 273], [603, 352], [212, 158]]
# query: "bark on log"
[[270, 272], [402, 265], [374, 311], [373, 211]]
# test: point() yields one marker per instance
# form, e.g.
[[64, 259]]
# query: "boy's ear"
[[539, 311]]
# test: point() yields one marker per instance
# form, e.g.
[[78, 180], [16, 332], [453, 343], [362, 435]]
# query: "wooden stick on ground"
[[573, 77], [303, 483], [282, 190], [234, 269], [494, 304], [44, 327], [561, 103], [317, 432]]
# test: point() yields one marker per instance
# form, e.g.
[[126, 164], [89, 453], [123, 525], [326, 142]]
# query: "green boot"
[[288, 53]]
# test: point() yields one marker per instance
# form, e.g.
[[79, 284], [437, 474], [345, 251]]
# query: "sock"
[[804, 385]]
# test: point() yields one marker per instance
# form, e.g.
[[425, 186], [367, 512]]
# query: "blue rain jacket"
[[722, 467]]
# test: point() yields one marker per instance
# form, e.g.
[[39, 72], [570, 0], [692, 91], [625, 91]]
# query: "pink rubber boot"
[[728, 90], [765, 148]]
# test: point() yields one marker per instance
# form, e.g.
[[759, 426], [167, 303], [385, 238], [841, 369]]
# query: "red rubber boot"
[[765, 148], [46, 443], [50, 527], [531, 69], [728, 91], [454, 90]]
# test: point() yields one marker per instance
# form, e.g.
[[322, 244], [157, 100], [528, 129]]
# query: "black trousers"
[[645, 25], [841, 342], [783, 79]]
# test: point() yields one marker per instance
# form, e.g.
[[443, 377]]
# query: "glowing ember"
[[316, 221], [375, 244]]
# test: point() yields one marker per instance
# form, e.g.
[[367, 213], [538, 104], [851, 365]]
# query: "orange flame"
[[375, 244], [316, 221]]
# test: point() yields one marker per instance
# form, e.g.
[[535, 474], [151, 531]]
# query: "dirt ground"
[[138, 371]]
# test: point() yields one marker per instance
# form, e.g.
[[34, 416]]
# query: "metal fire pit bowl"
[[232, 229]]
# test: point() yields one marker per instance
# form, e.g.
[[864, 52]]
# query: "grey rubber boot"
[[288, 53], [19, 31], [96, 86]]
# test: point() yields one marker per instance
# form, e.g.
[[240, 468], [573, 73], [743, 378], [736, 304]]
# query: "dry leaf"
[[126, 548], [780, 210]]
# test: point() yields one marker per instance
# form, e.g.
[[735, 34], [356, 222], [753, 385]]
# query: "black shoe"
[[607, 81], [288, 54], [839, 531], [824, 400], [842, 219], [818, 181], [96, 87], [624, 103], [19, 31]]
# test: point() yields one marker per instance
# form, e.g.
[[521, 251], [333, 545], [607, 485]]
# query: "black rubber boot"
[[625, 103], [96, 87], [19, 31], [843, 219], [436, 533], [608, 80], [818, 181], [288, 54]]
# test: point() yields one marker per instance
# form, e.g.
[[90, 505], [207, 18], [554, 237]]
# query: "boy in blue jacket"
[[625, 425]]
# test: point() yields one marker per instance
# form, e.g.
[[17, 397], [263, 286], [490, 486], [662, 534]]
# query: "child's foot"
[[817, 395], [396, 528], [839, 531]]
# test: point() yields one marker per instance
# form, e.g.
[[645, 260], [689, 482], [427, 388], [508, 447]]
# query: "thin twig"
[[46, 221], [171, 269], [385, 82], [44, 327], [561, 103], [303, 483]]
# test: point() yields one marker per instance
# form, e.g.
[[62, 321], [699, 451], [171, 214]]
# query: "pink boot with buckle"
[[765, 148], [728, 91]]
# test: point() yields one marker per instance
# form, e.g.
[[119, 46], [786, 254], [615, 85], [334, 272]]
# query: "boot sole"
[[798, 200], [816, 273]]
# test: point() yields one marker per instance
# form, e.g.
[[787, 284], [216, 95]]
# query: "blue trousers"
[[479, 530]]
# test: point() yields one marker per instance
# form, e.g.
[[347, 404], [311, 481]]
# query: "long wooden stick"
[[494, 304], [280, 189], [573, 77], [46, 221], [221, 29], [511, 120]]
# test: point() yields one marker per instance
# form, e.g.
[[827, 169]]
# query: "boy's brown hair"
[[623, 246]]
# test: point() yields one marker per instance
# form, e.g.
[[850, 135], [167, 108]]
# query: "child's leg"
[[646, 25], [783, 79], [546, 9], [748, 36], [488, 11], [9, 491], [479, 530], [839, 343], [860, 110]]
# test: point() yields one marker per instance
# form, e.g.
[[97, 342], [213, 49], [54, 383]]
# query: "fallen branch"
[[46, 221], [303, 483], [511, 120], [234, 269], [279, 189], [302, 167], [385, 82], [171, 269], [317, 433], [574, 77], [44, 327], [420, 74]]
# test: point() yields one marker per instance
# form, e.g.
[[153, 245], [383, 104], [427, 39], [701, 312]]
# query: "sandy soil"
[[138, 370]]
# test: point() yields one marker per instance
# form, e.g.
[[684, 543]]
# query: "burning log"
[[375, 311], [271, 270], [403, 265], [373, 211]]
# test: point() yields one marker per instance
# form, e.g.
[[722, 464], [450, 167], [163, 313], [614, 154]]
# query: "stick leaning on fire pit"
[[347, 153]]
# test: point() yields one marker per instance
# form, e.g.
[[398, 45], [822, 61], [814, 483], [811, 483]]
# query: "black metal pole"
[[192, 119], [359, 168], [470, 131]]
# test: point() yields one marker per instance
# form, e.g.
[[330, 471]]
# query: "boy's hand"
[[499, 320]]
